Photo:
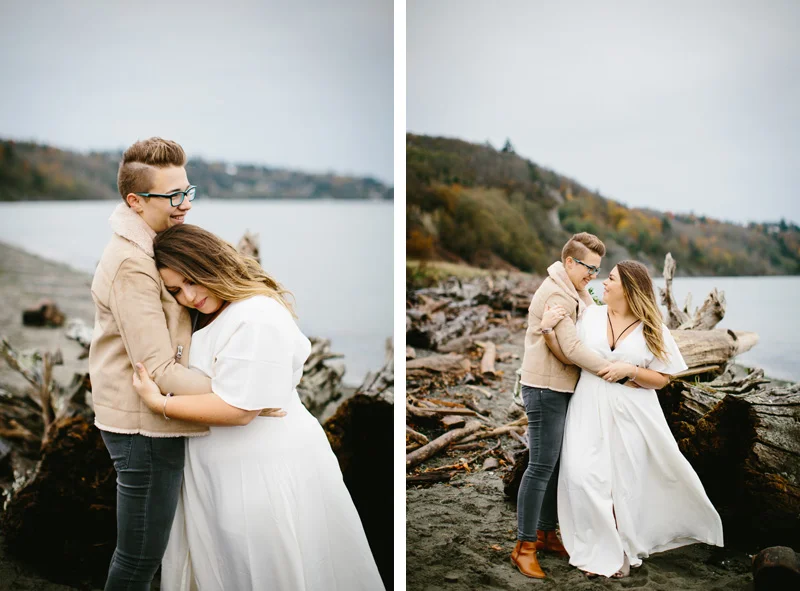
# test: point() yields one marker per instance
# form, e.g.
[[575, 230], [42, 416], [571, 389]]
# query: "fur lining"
[[127, 223], [558, 274]]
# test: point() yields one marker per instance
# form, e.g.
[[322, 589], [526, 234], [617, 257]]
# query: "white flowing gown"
[[263, 506], [620, 459]]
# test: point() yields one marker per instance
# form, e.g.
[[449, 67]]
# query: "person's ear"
[[134, 201]]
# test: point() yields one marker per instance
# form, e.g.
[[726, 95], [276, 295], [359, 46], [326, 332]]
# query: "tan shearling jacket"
[[137, 319], [542, 369]]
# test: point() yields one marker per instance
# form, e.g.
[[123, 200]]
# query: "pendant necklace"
[[613, 339]]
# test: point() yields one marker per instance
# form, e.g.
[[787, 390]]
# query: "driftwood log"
[[43, 313], [743, 439], [360, 433], [321, 384], [705, 317], [438, 444], [249, 245]]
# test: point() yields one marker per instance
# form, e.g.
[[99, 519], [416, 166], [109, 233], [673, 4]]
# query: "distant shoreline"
[[465, 270], [206, 198]]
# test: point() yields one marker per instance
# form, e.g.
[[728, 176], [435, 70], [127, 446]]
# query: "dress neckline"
[[621, 340], [220, 315]]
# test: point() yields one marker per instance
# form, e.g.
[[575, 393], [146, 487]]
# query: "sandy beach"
[[460, 534]]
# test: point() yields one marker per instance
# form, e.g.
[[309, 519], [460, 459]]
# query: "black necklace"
[[613, 339]]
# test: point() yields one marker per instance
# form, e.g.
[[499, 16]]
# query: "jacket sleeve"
[[135, 303], [571, 345]]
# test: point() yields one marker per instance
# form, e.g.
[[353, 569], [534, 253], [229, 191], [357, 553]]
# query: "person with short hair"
[[136, 319], [547, 385]]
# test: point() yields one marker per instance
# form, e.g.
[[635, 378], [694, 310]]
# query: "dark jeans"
[[536, 502], [149, 477]]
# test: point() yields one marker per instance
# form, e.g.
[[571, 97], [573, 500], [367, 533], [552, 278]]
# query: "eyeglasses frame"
[[183, 195], [591, 268]]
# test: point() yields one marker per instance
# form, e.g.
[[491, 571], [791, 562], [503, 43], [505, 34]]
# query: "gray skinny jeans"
[[149, 478], [536, 501]]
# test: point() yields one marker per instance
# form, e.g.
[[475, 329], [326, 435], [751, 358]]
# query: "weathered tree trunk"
[[361, 436], [249, 245], [64, 520], [743, 439], [705, 317], [712, 347], [439, 330], [321, 382]]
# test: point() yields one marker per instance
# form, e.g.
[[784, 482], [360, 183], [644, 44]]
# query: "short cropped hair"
[[580, 244], [138, 161]]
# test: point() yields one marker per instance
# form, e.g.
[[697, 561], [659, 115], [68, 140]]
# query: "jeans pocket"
[[119, 448]]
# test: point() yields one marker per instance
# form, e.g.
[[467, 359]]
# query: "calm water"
[[336, 258], [765, 305]]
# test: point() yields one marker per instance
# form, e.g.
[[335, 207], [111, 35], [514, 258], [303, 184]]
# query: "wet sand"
[[460, 535]]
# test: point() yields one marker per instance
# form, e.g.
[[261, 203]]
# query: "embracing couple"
[[221, 471], [589, 378]]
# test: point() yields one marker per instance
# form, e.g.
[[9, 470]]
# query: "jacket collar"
[[558, 274], [129, 225]]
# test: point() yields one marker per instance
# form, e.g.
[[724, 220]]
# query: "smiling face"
[[579, 274], [157, 212], [190, 294], [612, 288]]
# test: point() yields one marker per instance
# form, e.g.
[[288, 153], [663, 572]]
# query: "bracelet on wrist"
[[164, 411]]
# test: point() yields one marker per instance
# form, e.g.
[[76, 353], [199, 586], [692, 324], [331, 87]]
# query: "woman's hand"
[[614, 372], [552, 316], [147, 389]]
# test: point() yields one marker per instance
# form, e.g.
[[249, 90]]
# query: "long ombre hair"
[[638, 289], [206, 259]]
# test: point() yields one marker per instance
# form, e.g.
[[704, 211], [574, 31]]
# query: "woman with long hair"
[[625, 490], [263, 503]]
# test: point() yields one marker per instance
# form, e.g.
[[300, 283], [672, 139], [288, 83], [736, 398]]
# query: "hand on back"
[[552, 315]]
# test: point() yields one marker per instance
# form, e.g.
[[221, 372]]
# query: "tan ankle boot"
[[548, 541], [524, 558]]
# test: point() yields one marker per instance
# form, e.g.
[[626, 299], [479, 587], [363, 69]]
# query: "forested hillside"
[[493, 208], [31, 171]]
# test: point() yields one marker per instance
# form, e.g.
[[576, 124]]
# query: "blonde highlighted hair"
[[580, 244], [135, 173], [207, 260], [638, 289]]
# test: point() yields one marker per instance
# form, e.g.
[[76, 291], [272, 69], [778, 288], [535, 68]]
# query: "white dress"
[[263, 506], [620, 459]]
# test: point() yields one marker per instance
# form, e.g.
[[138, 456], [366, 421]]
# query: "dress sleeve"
[[253, 370], [674, 363]]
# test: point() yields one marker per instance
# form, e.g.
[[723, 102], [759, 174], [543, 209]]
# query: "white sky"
[[678, 106], [306, 85]]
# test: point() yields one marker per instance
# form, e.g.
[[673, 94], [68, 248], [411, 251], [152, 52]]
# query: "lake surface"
[[334, 256], [765, 305]]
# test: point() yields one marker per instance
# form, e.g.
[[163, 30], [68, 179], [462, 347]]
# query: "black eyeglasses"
[[176, 198], [592, 269]]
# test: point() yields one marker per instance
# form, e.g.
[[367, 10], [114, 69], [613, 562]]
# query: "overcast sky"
[[304, 85], [679, 106]]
